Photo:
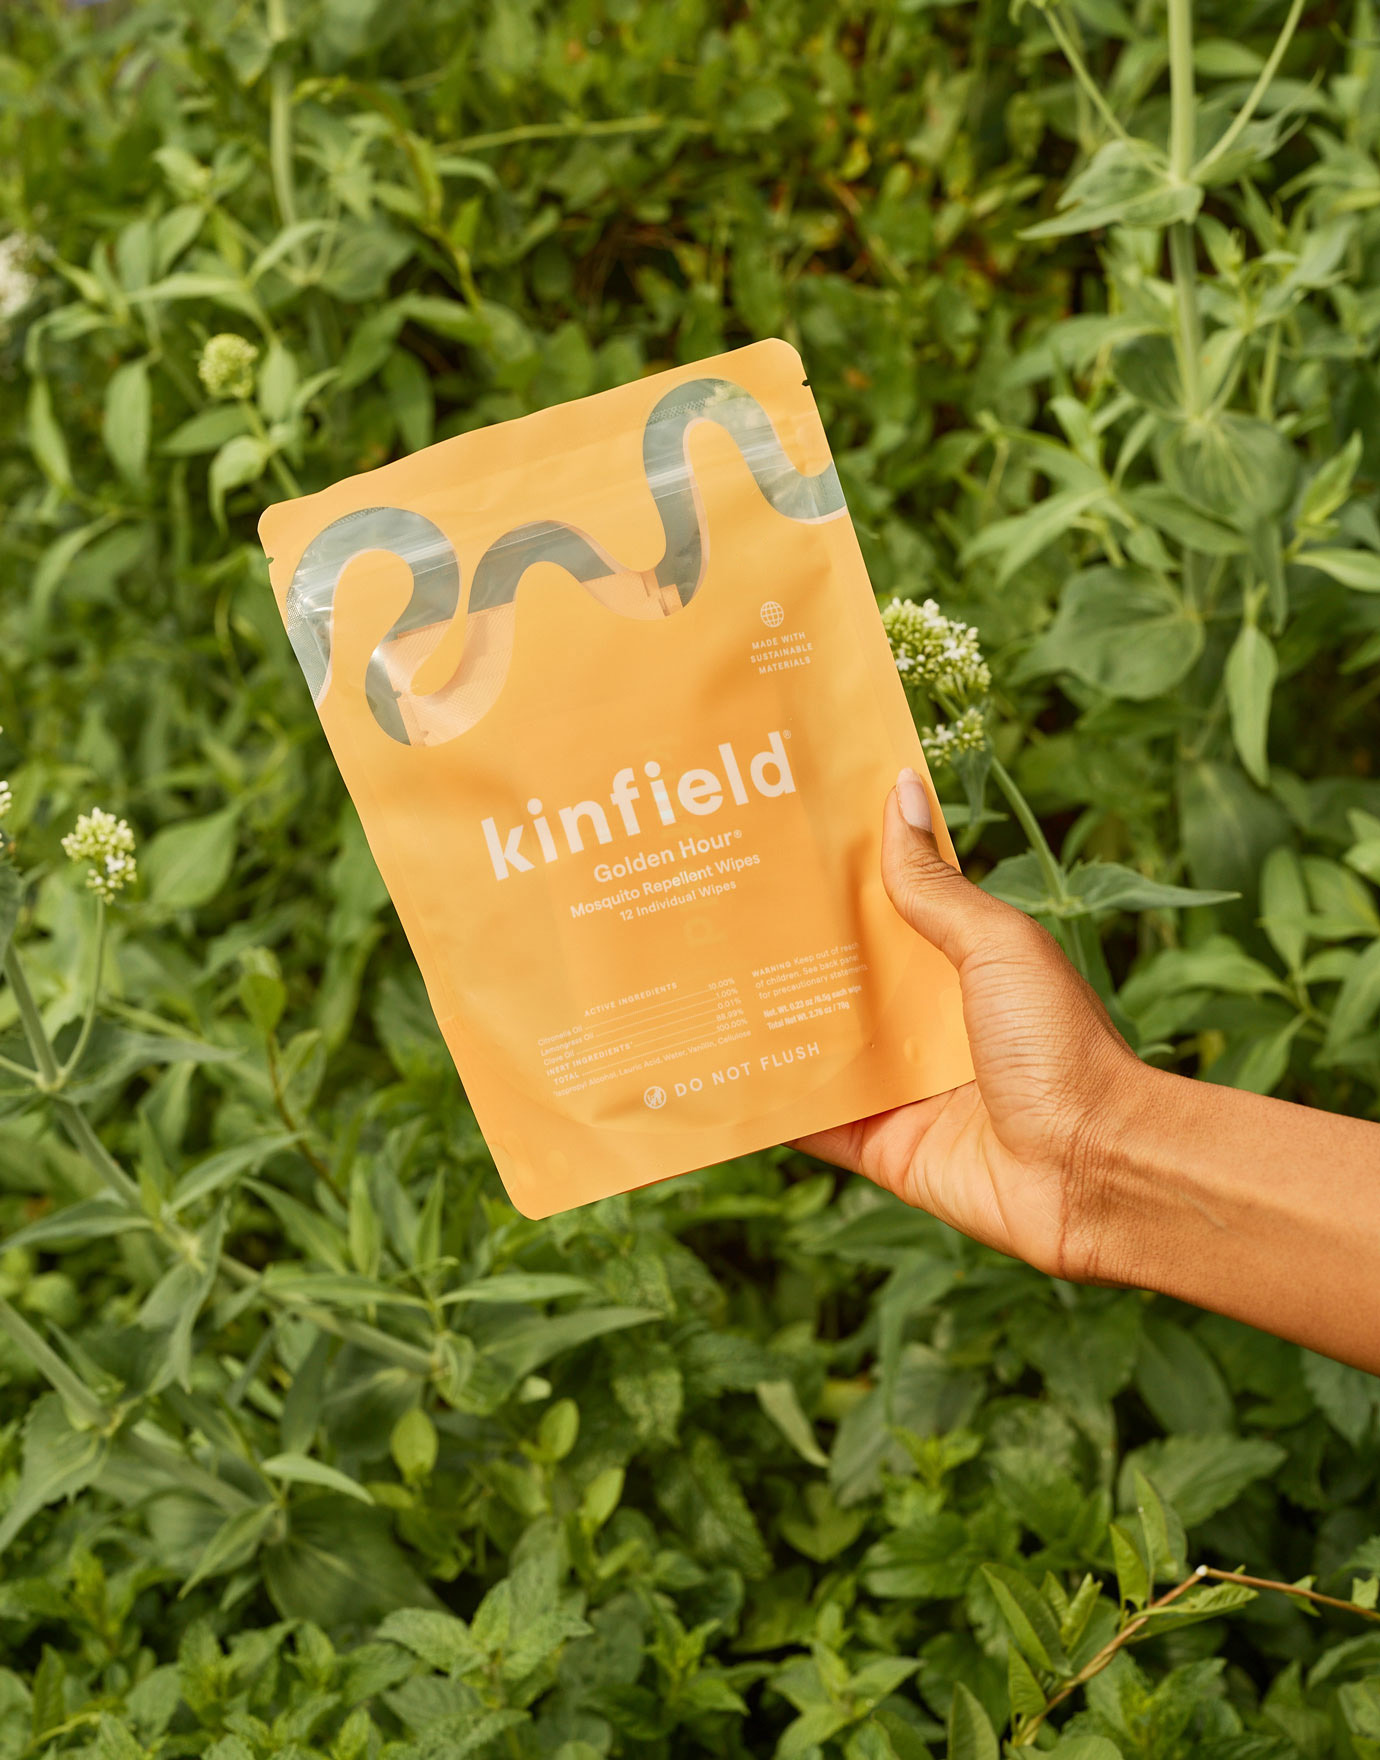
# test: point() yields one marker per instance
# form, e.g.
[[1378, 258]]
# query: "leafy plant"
[[308, 1444]]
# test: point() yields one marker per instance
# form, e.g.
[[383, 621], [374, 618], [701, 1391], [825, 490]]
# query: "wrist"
[[1124, 1222]]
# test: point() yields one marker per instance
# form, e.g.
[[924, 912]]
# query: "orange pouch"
[[610, 690]]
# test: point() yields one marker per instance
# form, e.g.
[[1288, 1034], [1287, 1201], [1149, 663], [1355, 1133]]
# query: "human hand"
[[1019, 1157]]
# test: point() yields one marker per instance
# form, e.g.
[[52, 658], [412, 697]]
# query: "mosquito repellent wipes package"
[[610, 690]]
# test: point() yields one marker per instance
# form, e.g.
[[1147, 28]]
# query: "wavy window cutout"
[[456, 706]]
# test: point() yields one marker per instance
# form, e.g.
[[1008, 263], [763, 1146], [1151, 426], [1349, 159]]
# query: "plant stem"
[[1020, 806], [1026, 1736], [73, 1390], [1133, 1628], [280, 117], [1269, 373], [1182, 98], [90, 1020], [1071, 53], [34, 1030], [284, 1111], [1182, 116], [559, 131], [1257, 92], [1184, 271], [82, 1133], [1207, 1570]]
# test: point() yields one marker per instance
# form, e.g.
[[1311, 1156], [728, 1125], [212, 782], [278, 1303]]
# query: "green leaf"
[[1017, 540], [1284, 905], [89, 1219], [1179, 1381], [528, 1344], [1227, 826], [699, 1492], [1107, 886], [520, 1287], [414, 1445], [1132, 1569], [174, 1304], [1032, 1624], [58, 1461], [339, 1565], [49, 1707], [240, 460], [233, 1544], [1024, 1691], [46, 441], [929, 1559], [438, 1639], [1358, 1001], [1239, 468], [971, 1736], [1348, 1398], [1201, 1475], [301, 1469], [207, 431], [1266, 1060], [1123, 630], [188, 864], [1161, 1532], [1121, 186], [1330, 485], [1250, 679], [1189, 525], [1358, 569], [222, 1169], [126, 422], [780, 1401]]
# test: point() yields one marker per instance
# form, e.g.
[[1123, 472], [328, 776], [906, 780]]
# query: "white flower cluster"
[[950, 739], [6, 798], [226, 367], [934, 651], [106, 844], [17, 285]]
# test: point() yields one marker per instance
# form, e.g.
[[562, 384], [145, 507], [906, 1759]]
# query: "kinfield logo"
[[699, 792]]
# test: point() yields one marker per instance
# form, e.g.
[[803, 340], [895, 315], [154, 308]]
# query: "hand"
[[1018, 1157]]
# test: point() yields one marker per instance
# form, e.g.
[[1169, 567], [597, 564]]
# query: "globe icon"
[[773, 615], [654, 1097]]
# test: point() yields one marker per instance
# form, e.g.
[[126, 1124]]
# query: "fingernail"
[[913, 801]]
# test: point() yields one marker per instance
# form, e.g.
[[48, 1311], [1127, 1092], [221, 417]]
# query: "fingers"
[[930, 894]]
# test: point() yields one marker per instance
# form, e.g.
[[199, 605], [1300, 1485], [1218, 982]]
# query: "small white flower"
[[17, 285], [6, 798], [106, 844], [934, 650], [949, 740]]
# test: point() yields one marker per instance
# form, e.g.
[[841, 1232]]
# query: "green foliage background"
[[309, 1444]]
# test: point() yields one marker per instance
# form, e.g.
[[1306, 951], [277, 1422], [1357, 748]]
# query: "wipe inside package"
[[611, 693]]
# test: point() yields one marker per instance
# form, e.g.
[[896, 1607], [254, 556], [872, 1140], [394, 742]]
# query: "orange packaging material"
[[609, 687]]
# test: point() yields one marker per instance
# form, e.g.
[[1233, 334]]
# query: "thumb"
[[925, 887]]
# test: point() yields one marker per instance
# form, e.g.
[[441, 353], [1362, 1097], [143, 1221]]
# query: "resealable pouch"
[[611, 693]]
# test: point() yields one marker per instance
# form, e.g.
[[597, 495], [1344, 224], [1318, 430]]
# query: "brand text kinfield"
[[698, 792]]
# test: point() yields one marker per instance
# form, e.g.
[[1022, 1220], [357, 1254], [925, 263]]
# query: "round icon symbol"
[[772, 614], [654, 1097]]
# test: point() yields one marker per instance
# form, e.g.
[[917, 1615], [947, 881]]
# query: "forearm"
[[1254, 1208]]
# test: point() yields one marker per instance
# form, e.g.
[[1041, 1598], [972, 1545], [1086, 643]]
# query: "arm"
[[1070, 1153]]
